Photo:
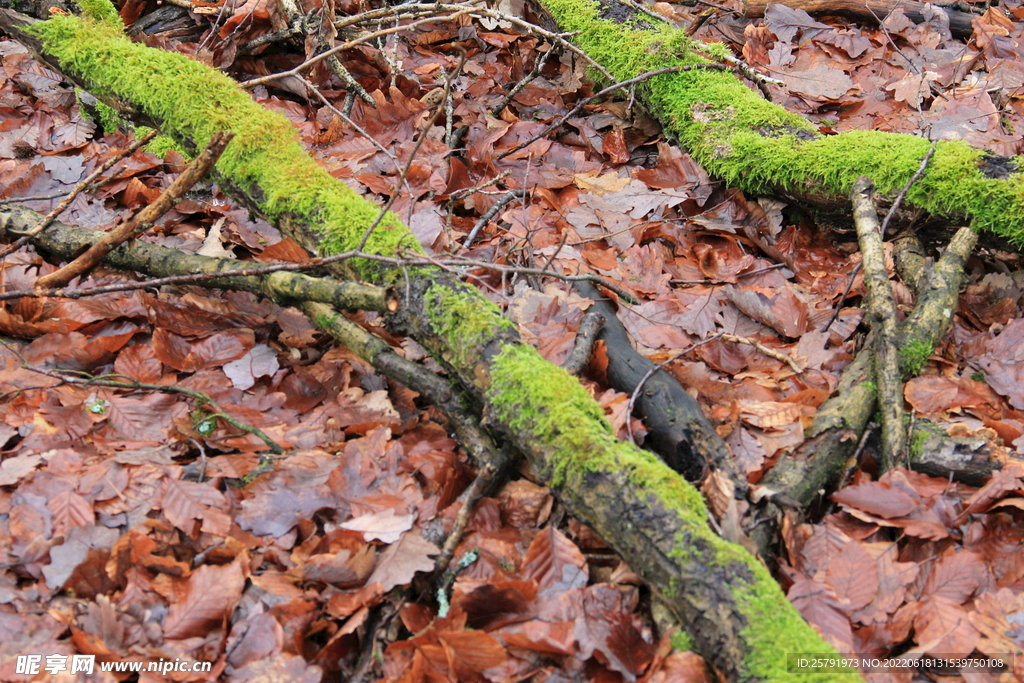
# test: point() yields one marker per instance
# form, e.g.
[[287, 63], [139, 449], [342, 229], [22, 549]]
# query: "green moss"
[[192, 102], [775, 633], [578, 440], [575, 433], [102, 11], [162, 144], [681, 641], [914, 356], [917, 442], [465, 321], [756, 145], [110, 119]]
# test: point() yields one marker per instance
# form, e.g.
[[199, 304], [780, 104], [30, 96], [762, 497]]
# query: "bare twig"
[[771, 353], [348, 45], [144, 219], [538, 65], [124, 382], [421, 138], [417, 9], [906, 188], [610, 89], [81, 187], [356, 127], [475, 491], [491, 213], [586, 336]]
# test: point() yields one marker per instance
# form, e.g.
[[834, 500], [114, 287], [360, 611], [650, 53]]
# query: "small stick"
[[610, 89], [424, 129], [144, 219], [491, 213], [123, 382], [771, 353], [475, 491], [79, 188], [882, 314], [538, 65], [591, 325]]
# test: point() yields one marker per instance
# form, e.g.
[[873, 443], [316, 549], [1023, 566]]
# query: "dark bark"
[[680, 432]]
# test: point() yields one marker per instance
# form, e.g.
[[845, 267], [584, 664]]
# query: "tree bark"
[[735, 612], [872, 12], [757, 146]]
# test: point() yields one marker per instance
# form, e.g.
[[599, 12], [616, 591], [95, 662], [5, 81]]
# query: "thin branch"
[[79, 188], [538, 65], [421, 138], [491, 213], [882, 317], [610, 89], [411, 10], [771, 353], [296, 71], [84, 379], [144, 219]]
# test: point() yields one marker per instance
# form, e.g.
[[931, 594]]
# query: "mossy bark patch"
[[191, 102], [759, 146]]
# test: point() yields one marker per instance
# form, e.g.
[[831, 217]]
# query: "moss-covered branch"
[[63, 242], [833, 436], [758, 146], [736, 613]]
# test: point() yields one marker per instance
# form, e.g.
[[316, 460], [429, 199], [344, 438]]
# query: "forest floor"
[[137, 525]]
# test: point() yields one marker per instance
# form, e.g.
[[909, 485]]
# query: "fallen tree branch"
[[680, 432], [176, 267], [44, 221], [959, 22], [818, 463], [881, 312], [758, 146], [143, 220]]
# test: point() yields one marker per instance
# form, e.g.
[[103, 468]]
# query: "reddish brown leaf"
[[210, 594], [942, 627], [933, 395], [70, 510], [555, 563], [384, 526], [877, 498], [819, 606], [472, 651], [779, 309], [139, 363], [397, 565], [215, 350], [185, 502], [956, 577], [853, 577]]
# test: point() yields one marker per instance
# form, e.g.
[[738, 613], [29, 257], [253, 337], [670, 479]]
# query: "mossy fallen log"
[[757, 146], [735, 612]]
